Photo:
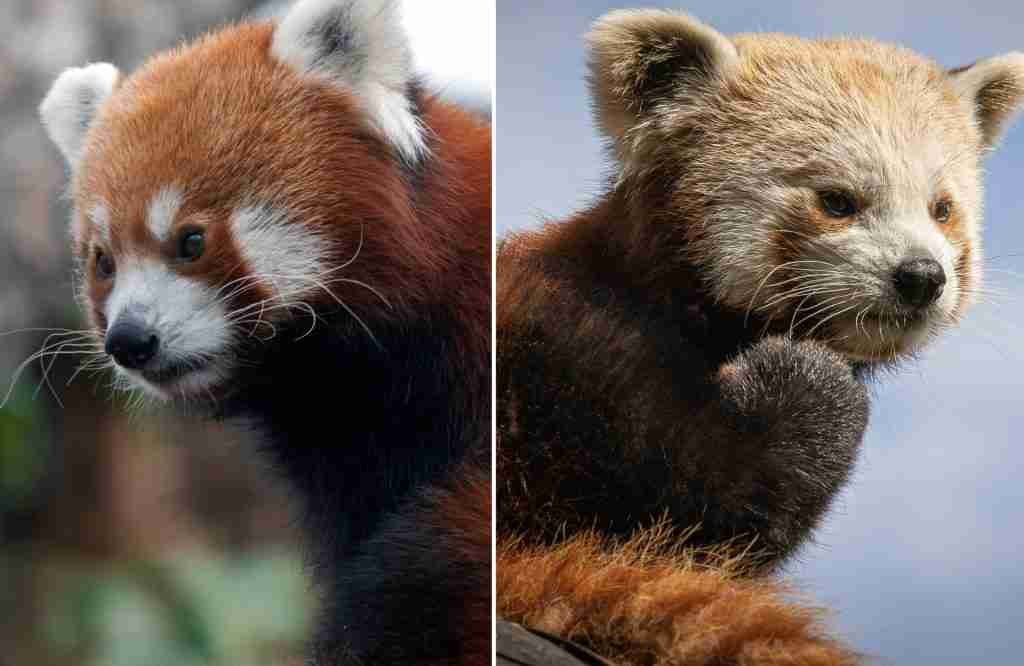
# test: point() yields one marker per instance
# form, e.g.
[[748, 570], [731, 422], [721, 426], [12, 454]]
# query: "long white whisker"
[[833, 316]]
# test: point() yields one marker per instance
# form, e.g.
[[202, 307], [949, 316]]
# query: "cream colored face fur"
[[742, 137]]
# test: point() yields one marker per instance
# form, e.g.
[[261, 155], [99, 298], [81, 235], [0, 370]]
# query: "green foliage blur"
[[23, 458], [186, 610]]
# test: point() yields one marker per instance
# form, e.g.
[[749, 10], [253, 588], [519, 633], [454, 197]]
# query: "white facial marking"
[[68, 109], [186, 315], [871, 252], [98, 218], [162, 210], [359, 45], [286, 256]]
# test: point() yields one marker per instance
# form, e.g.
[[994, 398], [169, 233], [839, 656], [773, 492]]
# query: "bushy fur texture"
[[692, 349], [645, 601]]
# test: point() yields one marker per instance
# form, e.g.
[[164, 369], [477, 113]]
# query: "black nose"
[[919, 282], [131, 344]]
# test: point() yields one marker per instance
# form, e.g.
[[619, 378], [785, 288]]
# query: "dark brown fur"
[[619, 403]]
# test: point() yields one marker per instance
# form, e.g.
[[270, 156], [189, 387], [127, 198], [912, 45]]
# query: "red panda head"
[[831, 187], [245, 180]]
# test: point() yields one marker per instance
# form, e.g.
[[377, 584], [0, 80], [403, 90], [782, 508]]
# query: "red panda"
[[692, 351], [277, 227]]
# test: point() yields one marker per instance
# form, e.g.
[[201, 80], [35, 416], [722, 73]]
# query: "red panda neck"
[[616, 244]]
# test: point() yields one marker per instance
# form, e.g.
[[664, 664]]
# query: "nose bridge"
[[917, 234], [134, 294]]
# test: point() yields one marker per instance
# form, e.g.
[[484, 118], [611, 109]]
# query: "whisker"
[[825, 306], [833, 316]]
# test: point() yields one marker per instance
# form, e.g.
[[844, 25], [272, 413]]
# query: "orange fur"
[[225, 120], [641, 606]]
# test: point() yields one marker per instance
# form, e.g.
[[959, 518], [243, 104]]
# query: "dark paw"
[[798, 415], [796, 386]]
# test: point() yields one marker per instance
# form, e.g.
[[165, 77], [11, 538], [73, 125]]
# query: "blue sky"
[[920, 558]]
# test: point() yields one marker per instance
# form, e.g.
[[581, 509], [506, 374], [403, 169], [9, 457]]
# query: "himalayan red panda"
[[276, 226], [691, 353]]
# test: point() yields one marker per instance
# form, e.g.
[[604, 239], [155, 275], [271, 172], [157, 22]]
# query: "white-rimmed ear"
[[68, 109], [994, 89], [361, 46], [639, 57]]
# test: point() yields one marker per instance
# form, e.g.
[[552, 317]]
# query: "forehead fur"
[[859, 112], [832, 97], [852, 80], [826, 85], [224, 121]]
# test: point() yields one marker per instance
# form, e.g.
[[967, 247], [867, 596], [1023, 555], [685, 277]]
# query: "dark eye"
[[941, 211], [105, 266], [191, 245], [837, 204]]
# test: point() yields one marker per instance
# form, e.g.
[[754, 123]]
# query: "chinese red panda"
[[277, 225], [691, 350]]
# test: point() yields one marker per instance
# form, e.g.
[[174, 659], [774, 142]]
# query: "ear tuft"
[[640, 57], [68, 109], [359, 45], [994, 89]]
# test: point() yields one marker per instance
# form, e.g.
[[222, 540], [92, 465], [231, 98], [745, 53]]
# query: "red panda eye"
[[191, 245], [942, 210], [837, 204], [105, 266]]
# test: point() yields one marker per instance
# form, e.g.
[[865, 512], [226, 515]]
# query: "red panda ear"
[[639, 58], [68, 109], [361, 46], [994, 89]]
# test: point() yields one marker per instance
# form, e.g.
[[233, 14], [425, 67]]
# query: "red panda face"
[[237, 186], [828, 188], [854, 216]]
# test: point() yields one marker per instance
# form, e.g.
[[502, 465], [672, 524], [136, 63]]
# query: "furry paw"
[[799, 415]]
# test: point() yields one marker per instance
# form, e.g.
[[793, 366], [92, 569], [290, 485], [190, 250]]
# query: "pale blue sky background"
[[920, 559]]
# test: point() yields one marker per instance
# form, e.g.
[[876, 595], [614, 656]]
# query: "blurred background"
[[920, 559], [135, 537]]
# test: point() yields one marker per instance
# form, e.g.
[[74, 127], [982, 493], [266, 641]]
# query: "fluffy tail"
[[639, 606]]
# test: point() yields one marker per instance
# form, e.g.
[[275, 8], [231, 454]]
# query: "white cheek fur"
[[871, 252], [188, 317], [853, 269], [284, 255]]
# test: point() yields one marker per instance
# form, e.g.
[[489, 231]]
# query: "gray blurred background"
[[128, 537], [920, 559]]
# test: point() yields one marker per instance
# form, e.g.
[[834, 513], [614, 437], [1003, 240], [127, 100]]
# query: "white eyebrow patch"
[[99, 218], [282, 253], [163, 208]]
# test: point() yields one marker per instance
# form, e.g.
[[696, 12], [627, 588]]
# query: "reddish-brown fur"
[[254, 126], [463, 513], [641, 606]]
